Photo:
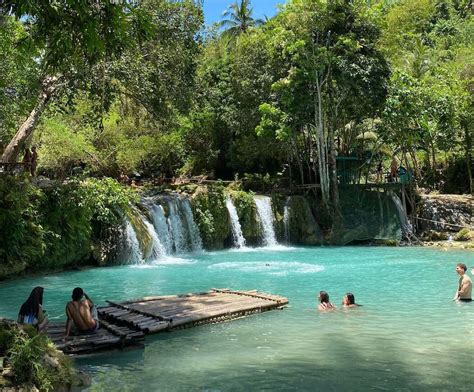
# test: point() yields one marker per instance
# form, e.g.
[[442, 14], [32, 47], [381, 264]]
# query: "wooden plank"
[[127, 322], [249, 293], [138, 311]]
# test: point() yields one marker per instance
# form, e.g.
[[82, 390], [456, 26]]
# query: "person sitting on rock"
[[81, 313], [31, 312], [324, 303]]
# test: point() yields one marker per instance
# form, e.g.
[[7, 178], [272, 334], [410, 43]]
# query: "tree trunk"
[[321, 142], [468, 145], [433, 155], [48, 88]]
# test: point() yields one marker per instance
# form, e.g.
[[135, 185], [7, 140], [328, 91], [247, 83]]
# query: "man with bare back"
[[81, 313]]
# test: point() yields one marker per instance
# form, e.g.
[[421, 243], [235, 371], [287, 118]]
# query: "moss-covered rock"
[[278, 208], [211, 215], [433, 235], [247, 211], [11, 269], [143, 235], [32, 362], [302, 227], [366, 215], [111, 245], [464, 235]]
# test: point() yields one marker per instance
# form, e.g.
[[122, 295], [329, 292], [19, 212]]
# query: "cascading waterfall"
[[238, 237], [134, 252], [407, 229], [177, 229], [194, 236], [265, 214], [157, 249], [286, 219], [161, 227]]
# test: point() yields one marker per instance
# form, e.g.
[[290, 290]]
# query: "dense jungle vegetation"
[[107, 89], [111, 87]]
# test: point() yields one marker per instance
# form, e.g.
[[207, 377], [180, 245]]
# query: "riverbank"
[[30, 362], [99, 222]]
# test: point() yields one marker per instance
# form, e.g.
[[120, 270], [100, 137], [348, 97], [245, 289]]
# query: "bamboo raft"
[[126, 323]]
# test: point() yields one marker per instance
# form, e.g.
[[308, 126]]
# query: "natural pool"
[[408, 336]]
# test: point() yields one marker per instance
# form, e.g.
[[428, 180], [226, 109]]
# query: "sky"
[[213, 9]]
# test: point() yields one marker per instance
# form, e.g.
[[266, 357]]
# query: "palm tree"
[[239, 18]]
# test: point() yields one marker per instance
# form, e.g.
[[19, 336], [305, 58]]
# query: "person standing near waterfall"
[[464, 290]]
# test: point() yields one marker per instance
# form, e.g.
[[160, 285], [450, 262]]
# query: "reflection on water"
[[408, 336]]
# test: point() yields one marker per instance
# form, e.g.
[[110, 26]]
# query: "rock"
[[50, 361], [445, 213], [7, 373], [303, 228]]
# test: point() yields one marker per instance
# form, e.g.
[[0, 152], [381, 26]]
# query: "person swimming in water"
[[348, 301], [324, 303]]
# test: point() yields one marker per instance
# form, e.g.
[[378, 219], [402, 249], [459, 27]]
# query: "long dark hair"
[[323, 297], [350, 298], [32, 304]]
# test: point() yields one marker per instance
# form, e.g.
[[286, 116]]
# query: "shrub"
[[463, 235], [57, 225], [27, 353], [20, 228]]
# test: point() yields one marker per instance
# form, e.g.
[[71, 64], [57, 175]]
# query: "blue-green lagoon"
[[408, 336]]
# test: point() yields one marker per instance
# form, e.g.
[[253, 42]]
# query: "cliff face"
[[446, 216], [65, 220]]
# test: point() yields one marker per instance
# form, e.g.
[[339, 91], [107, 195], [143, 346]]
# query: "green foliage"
[[6, 339], [20, 225], [247, 212], [27, 358], [456, 175], [62, 149], [57, 225], [464, 235], [210, 214], [75, 213], [239, 18], [17, 77], [86, 33]]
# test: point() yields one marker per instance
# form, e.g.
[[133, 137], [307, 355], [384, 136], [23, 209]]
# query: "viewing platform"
[[125, 324]]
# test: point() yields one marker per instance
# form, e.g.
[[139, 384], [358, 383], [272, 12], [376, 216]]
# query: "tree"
[[334, 74], [18, 77], [70, 38], [239, 18]]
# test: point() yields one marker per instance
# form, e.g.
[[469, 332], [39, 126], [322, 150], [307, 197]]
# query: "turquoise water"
[[408, 336]]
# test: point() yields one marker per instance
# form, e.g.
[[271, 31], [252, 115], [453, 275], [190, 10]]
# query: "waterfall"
[[407, 229], [239, 240], [161, 227], [134, 252], [193, 231], [265, 214], [177, 229], [286, 219], [157, 248]]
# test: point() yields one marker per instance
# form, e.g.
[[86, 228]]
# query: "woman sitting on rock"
[[31, 312]]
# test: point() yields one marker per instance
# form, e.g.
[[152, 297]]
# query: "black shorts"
[[465, 299]]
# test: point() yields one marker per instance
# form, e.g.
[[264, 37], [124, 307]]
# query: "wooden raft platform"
[[126, 323]]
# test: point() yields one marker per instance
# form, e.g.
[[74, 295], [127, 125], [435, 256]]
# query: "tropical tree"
[[70, 39], [333, 74], [239, 18]]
